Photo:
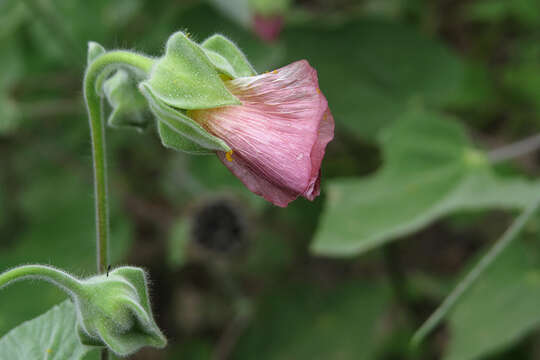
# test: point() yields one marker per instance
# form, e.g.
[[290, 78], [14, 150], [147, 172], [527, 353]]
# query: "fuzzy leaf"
[[51, 336], [130, 108], [95, 50], [430, 170], [190, 136], [227, 57], [186, 79]]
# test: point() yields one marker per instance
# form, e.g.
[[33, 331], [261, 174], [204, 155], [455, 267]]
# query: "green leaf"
[[186, 79], [51, 336], [179, 131], [372, 70], [95, 50], [310, 323], [430, 170], [130, 108], [227, 57], [501, 308]]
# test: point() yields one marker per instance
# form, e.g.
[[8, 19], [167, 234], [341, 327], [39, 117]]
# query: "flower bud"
[[114, 310]]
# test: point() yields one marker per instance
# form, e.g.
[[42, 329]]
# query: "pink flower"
[[278, 135]]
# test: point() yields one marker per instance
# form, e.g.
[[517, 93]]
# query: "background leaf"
[[50, 336], [372, 70], [430, 170], [501, 308], [315, 313]]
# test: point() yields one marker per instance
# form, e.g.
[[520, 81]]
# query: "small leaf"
[[130, 108], [186, 79], [501, 308], [173, 140], [430, 170], [95, 50], [190, 136], [227, 57], [51, 336]]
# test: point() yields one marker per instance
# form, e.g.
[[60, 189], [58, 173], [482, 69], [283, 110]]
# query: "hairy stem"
[[95, 74], [94, 77], [58, 277], [448, 304]]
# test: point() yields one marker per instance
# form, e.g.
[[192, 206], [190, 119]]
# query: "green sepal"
[[114, 311], [130, 109], [190, 137], [95, 50], [186, 79], [173, 140], [227, 57]]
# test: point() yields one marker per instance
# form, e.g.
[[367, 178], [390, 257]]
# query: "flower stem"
[[94, 77], [514, 150], [42, 272], [448, 304], [95, 74]]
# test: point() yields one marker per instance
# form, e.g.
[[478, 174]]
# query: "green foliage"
[[60, 230], [430, 170], [11, 70], [130, 108], [227, 57], [178, 242], [501, 308], [368, 83], [477, 60], [287, 323], [12, 14], [186, 79], [50, 336], [178, 131], [526, 12]]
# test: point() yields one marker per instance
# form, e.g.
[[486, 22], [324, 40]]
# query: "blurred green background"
[[422, 91]]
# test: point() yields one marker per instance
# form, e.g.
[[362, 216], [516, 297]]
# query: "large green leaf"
[[51, 336], [501, 307], [311, 323], [371, 70], [429, 171]]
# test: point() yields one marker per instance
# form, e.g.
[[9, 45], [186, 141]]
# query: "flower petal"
[[278, 134]]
